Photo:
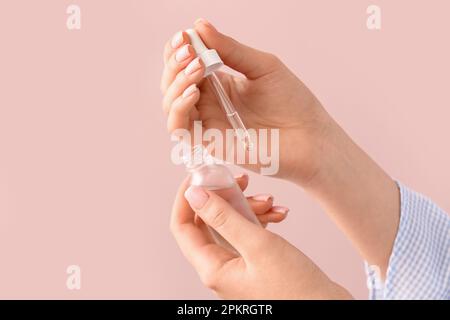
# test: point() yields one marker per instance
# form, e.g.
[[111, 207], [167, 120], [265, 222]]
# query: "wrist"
[[304, 148], [332, 154], [313, 159], [337, 292], [327, 290], [358, 195]]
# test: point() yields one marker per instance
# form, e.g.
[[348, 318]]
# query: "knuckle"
[[273, 59], [166, 50], [219, 217], [272, 240], [165, 105], [180, 77], [167, 45], [172, 64], [177, 106], [170, 127], [176, 66], [175, 229], [172, 228], [209, 278], [162, 87]]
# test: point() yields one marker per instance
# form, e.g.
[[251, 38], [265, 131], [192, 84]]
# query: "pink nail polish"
[[193, 66], [204, 22], [177, 40], [196, 196], [190, 90], [280, 209], [182, 53], [201, 20], [262, 197]]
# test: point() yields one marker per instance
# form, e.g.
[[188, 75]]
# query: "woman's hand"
[[267, 266], [271, 96]]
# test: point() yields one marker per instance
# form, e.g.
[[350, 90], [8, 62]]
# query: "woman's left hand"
[[265, 267]]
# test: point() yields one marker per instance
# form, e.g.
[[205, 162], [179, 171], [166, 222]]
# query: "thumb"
[[248, 61], [242, 234]]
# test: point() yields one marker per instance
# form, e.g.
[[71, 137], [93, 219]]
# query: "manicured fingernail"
[[190, 90], [262, 197], [196, 197], [201, 20], [280, 209], [177, 40], [193, 66], [240, 176], [204, 22], [182, 53]]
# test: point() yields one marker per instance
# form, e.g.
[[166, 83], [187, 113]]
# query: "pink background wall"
[[85, 172]]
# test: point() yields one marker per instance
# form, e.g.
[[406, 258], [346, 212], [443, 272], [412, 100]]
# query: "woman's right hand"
[[270, 96]]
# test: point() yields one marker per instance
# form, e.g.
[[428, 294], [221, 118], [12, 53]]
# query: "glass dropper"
[[212, 62]]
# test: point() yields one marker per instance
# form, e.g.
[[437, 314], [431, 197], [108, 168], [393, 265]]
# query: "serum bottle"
[[208, 173]]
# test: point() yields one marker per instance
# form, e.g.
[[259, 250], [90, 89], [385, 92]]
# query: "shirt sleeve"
[[419, 266]]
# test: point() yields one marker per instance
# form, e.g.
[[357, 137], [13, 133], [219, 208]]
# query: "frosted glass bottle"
[[206, 172]]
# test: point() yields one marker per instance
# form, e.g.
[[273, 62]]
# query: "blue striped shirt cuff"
[[419, 266]]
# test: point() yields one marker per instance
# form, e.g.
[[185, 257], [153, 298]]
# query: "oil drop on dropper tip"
[[212, 62]]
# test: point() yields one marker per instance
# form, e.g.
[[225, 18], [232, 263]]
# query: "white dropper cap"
[[210, 57]]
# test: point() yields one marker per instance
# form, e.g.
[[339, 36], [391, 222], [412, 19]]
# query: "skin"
[[262, 204], [354, 191]]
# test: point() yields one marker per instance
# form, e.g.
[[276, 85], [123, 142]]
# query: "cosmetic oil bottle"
[[207, 172]]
